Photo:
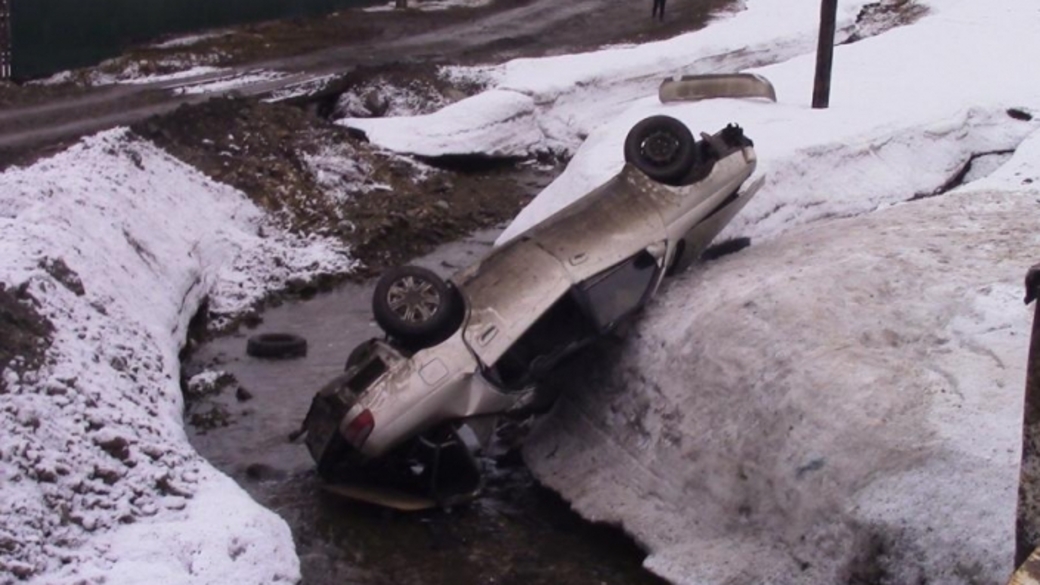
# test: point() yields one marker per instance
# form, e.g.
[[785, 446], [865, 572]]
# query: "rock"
[[376, 104], [63, 274], [117, 447]]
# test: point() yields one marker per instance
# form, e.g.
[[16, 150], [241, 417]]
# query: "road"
[[520, 28]]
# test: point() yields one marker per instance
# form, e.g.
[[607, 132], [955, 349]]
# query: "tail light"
[[360, 428]]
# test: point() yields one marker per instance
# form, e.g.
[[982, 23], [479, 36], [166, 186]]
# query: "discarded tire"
[[276, 345], [415, 305], [663, 148]]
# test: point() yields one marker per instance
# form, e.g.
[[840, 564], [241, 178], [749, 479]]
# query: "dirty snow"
[[182, 66], [188, 40], [429, 5], [135, 79], [840, 404], [309, 87], [230, 82], [378, 97], [99, 478], [131, 74], [337, 171]]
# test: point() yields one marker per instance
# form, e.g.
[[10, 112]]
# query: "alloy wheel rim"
[[413, 299]]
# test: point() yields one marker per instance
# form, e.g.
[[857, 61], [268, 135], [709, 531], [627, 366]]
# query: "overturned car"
[[399, 425]]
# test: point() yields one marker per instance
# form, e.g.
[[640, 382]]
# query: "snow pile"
[[230, 82], [506, 127], [379, 97], [818, 164], [844, 403], [338, 171], [553, 103], [890, 133], [841, 406], [99, 480]]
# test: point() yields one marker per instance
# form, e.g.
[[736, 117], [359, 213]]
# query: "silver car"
[[465, 351]]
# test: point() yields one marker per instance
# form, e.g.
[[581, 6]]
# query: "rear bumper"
[[689, 88], [322, 423]]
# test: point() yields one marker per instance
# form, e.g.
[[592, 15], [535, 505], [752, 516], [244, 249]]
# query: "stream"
[[517, 533]]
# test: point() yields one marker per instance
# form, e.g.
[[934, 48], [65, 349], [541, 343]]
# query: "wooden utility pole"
[[5, 39], [1027, 533], [825, 54]]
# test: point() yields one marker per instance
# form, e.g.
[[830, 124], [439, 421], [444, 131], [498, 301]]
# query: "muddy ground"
[[388, 208], [25, 336]]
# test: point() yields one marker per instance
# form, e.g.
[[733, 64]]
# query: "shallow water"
[[517, 532]]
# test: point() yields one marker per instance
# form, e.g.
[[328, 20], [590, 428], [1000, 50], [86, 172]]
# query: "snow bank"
[[842, 405], [99, 481], [505, 127], [890, 133], [561, 100]]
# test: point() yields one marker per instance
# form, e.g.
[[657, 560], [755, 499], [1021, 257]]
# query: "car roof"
[[515, 284]]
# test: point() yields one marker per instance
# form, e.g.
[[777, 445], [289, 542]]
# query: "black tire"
[[276, 345], [415, 306], [663, 148]]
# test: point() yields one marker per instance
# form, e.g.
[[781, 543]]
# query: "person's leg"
[[662, 9]]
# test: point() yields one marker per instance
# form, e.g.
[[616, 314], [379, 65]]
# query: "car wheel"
[[415, 305], [663, 148], [276, 345]]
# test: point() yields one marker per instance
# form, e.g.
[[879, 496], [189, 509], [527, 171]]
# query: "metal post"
[[825, 54], [1027, 526]]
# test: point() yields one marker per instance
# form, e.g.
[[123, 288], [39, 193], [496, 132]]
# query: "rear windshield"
[[366, 375]]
